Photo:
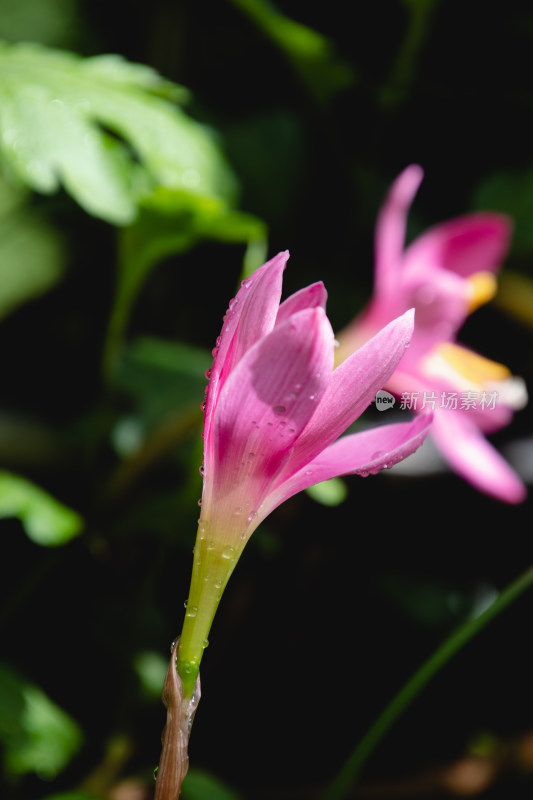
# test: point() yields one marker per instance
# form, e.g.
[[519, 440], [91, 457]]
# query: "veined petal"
[[361, 453], [352, 388], [391, 227], [263, 407], [472, 243], [250, 316], [474, 458], [313, 296]]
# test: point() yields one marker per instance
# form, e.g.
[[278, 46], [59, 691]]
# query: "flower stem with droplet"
[[213, 564]]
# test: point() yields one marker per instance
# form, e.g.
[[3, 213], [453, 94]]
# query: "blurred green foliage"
[[150, 157], [46, 521], [36, 735]]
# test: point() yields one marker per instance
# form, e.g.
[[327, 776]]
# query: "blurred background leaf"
[[32, 252], [200, 785], [45, 520], [37, 736]]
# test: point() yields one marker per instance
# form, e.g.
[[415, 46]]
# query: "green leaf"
[[46, 521], [200, 785], [163, 376], [72, 796], [104, 129], [37, 736], [32, 255], [510, 192], [151, 669], [312, 55], [50, 22], [329, 493], [169, 224]]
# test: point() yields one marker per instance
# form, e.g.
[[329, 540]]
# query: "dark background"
[[330, 609]]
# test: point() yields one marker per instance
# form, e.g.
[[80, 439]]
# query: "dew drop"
[[208, 373], [203, 405], [200, 501], [192, 611], [228, 552], [377, 454], [201, 470], [205, 643], [246, 283], [237, 512], [155, 773]]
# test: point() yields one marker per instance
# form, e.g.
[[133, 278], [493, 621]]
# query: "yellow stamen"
[[483, 286], [472, 366]]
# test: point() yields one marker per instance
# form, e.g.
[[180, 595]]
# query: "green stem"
[[349, 773], [212, 567]]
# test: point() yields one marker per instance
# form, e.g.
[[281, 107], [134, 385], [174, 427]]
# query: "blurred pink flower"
[[275, 409], [445, 273]]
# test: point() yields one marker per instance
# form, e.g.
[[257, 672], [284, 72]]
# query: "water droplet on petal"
[[377, 454], [228, 552], [155, 773], [246, 283]]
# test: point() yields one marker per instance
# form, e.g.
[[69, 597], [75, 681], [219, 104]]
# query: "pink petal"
[[474, 459], [251, 315], [312, 296], [359, 453], [265, 404], [352, 388], [465, 245], [391, 226]]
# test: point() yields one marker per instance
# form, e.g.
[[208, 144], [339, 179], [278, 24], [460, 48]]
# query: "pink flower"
[[275, 409], [444, 274]]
